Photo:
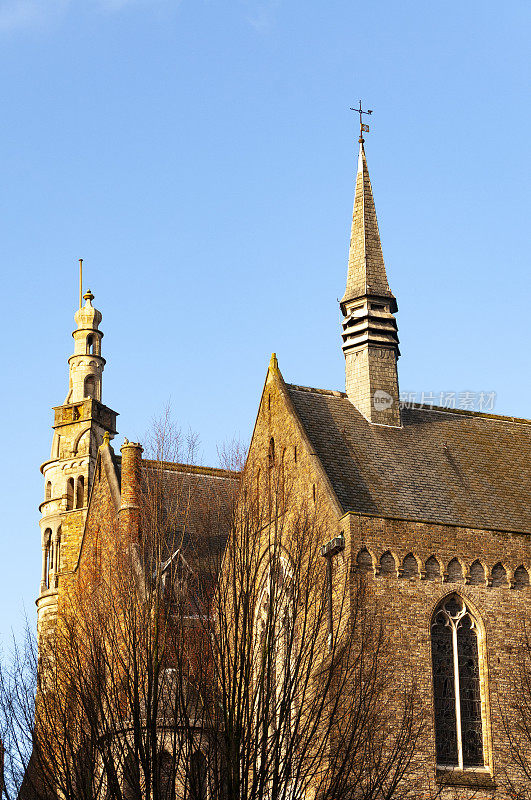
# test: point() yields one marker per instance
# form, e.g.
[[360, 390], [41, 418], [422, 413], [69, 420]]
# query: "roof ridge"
[[423, 406], [468, 413], [195, 469], [332, 392]]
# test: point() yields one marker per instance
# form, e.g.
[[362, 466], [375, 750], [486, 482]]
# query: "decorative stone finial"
[[106, 439], [88, 296], [273, 362]]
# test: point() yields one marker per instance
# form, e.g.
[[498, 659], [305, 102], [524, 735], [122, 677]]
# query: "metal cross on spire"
[[363, 128]]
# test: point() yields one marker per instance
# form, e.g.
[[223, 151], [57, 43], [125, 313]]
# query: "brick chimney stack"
[[131, 488]]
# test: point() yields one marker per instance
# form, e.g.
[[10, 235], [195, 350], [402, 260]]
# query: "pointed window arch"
[[521, 577], [80, 492], [271, 454], [276, 644], [47, 555], [48, 490], [166, 776], [455, 571], [364, 560], [455, 645], [57, 564], [432, 569], [410, 567], [198, 776], [70, 494], [499, 575], [477, 573], [90, 386], [387, 564], [131, 783]]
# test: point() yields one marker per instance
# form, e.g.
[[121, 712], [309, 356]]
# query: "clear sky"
[[200, 156]]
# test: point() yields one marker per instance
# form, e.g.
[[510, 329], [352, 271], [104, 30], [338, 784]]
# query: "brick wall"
[[409, 591]]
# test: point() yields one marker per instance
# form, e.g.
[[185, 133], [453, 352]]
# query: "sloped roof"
[[197, 503], [446, 466]]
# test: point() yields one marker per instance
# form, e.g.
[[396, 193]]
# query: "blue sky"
[[200, 156]]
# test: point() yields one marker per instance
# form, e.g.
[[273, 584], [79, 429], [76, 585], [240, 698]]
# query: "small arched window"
[[96, 554], [198, 776], [57, 564], [432, 569], [499, 575], [410, 567], [455, 571], [387, 564], [364, 560], [90, 386], [271, 454], [48, 490], [80, 492], [90, 344], [70, 494], [456, 685], [476, 575], [521, 577], [47, 556]]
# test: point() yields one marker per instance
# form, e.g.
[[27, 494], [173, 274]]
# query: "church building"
[[431, 504]]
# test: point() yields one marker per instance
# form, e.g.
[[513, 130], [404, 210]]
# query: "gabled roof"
[[443, 466]]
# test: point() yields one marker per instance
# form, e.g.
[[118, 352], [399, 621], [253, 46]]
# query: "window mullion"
[[457, 697]]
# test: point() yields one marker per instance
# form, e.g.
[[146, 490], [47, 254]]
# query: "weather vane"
[[363, 128]]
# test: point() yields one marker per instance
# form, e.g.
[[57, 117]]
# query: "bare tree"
[[214, 656], [514, 706]]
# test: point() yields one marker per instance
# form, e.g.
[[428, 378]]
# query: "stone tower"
[[79, 426], [370, 339]]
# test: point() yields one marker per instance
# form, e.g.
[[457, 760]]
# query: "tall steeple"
[[370, 338], [79, 426]]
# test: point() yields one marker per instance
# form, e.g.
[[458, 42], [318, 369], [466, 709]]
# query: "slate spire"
[[366, 269], [370, 338]]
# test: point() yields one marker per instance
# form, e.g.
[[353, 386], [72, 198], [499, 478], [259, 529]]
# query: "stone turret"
[[86, 373], [370, 338], [79, 426]]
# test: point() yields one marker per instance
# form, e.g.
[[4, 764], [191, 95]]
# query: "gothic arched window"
[[455, 650], [275, 649]]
